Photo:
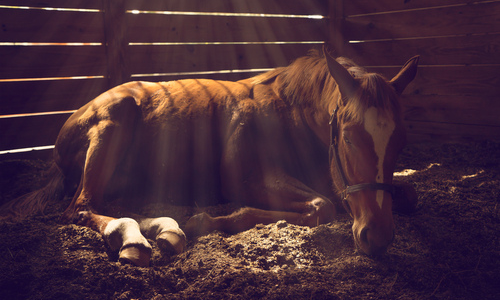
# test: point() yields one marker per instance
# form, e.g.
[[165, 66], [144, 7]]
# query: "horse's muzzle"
[[372, 240]]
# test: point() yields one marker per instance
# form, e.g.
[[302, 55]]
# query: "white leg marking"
[[166, 231], [381, 129], [124, 232]]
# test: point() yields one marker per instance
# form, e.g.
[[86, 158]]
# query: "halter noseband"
[[334, 154]]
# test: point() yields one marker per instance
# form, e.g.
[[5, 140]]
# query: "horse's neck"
[[317, 121], [318, 115]]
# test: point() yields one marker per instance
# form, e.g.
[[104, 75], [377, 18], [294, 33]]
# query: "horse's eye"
[[347, 140]]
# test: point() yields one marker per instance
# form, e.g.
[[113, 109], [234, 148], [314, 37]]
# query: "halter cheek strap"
[[334, 155]]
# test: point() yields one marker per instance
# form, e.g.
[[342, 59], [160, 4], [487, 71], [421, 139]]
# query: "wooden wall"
[[57, 60], [456, 95], [111, 43]]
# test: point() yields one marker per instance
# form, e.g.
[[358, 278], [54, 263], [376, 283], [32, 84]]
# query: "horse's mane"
[[307, 80]]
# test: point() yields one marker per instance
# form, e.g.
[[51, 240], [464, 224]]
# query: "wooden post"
[[116, 43], [338, 42]]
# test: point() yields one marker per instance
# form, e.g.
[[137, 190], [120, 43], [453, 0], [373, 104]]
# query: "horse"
[[295, 143]]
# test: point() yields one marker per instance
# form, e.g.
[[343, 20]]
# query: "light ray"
[[21, 150], [224, 14]]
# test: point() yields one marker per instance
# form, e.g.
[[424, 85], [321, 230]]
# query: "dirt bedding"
[[447, 249]]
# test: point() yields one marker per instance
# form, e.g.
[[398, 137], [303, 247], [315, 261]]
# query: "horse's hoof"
[[138, 256], [171, 242], [199, 224]]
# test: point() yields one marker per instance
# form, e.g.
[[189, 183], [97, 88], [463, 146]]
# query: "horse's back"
[[160, 108]]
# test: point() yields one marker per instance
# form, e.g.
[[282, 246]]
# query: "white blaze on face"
[[380, 128]]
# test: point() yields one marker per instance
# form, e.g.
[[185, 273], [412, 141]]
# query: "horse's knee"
[[322, 211]]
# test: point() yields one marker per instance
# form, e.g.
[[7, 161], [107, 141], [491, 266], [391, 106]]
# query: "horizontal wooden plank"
[[81, 4], [46, 96], [458, 50], [35, 25], [419, 132], [472, 110], [167, 28], [450, 80], [460, 20], [51, 61], [359, 7], [168, 59], [310, 7], [30, 131]]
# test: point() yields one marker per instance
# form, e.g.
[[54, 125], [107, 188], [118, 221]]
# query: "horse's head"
[[367, 137]]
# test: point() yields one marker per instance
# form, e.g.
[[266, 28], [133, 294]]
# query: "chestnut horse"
[[262, 142]]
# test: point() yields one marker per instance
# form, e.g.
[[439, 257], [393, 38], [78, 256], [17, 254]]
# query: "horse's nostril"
[[372, 246]]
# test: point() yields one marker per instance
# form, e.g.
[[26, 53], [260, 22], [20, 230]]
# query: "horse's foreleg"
[[309, 213], [241, 220], [123, 235], [253, 182]]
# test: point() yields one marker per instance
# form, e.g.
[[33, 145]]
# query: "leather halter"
[[334, 154]]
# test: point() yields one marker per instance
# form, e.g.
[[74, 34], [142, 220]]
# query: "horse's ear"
[[344, 79], [405, 75]]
